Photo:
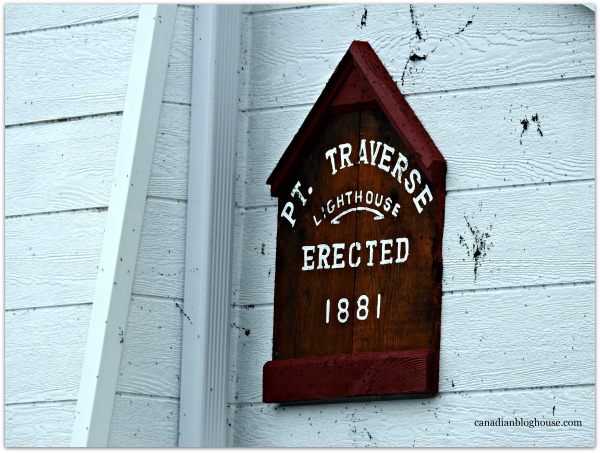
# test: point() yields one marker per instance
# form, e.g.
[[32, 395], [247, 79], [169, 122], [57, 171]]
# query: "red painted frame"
[[349, 375]]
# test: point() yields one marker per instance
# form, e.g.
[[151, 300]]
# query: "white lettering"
[[339, 255], [421, 199], [324, 251], [309, 264], [362, 154], [400, 241], [296, 191], [343, 306], [401, 165], [330, 154], [386, 157], [351, 262], [414, 174], [287, 212], [338, 258], [386, 251], [357, 197], [371, 245], [345, 150], [374, 152]]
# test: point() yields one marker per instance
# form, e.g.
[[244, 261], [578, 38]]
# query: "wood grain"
[[447, 420], [503, 44], [141, 421], [22, 18], [87, 77], [300, 296], [471, 128], [349, 375], [159, 269], [523, 337], [39, 424], [44, 353], [513, 257], [151, 360], [170, 164], [52, 259], [60, 166], [178, 85]]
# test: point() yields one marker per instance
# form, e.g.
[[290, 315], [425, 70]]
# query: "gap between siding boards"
[[451, 91]]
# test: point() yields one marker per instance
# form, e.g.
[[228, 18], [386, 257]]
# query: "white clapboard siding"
[[170, 164], [44, 350], [525, 337], [151, 360], [268, 8], [479, 133], [60, 166], [178, 84], [52, 259], [159, 268], [39, 424], [69, 165], [464, 45], [447, 420], [141, 421], [22, 18], [540, 234], [87, 76]]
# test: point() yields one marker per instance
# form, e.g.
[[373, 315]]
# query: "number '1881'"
[[343, 309]]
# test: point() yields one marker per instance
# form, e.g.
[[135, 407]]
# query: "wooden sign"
[[361, 192]]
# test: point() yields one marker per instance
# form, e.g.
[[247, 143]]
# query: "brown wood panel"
[[300, 312], [407, 309], [361, 192]]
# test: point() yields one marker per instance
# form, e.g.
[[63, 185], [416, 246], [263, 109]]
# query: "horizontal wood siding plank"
[[178, 85], [529, 337], [537, 235], [170, 164], [140, 421], [22, 18], [513, 254], [88, 76], [463, 46], [496, 150], [267, 8], [444, 421], [159, 269], [44, 353], [69, 165], [60, 166], [151, 359], [39, 425], [52, 259]]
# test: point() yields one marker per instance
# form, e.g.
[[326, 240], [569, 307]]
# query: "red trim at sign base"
[[348, 375]]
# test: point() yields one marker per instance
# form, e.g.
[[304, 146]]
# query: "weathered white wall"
[[66, 74], [146, 411], [517, 336], [66, 69]]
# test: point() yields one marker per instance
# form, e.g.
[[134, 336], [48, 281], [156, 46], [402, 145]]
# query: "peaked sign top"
[[361, 82]]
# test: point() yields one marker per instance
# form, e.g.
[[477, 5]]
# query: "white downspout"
[[123, 225], [209, 233]]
